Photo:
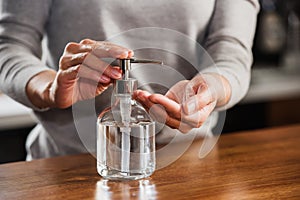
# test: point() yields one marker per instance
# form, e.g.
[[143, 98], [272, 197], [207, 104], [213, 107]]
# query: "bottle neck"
[[125, 87]]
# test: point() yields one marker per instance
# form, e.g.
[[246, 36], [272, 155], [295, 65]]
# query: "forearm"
[[17, 67], [229, 43], [22, 26], [38, 89]]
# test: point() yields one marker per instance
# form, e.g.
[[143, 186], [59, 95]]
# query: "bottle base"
[[117, 175]]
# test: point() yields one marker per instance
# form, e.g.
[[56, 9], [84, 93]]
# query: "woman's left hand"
[[187, 104]]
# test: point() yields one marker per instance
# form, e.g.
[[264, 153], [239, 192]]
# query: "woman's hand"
[[82, 74], [187, 104]]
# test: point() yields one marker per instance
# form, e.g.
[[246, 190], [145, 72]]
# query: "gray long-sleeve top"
[[225, 29]]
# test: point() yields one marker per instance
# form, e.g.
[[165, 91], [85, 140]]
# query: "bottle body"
[[125, 145], [133, 160]]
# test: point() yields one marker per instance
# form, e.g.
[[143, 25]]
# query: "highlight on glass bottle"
[[125, 133]]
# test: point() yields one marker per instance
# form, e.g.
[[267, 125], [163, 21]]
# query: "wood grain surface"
[[262, 164]]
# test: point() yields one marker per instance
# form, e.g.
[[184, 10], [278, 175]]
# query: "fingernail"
[[130, 52], [116, 73], [121, 52], [105, 78], [191, 106]]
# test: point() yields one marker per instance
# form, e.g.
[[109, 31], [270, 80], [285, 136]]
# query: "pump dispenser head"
[[128, 85]]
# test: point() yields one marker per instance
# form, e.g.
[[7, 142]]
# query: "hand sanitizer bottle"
[[125, 133]]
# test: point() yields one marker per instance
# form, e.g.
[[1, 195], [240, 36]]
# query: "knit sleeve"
[[229, 42], [22, 25]]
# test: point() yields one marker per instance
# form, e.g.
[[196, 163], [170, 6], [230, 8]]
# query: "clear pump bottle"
[[125, 133]]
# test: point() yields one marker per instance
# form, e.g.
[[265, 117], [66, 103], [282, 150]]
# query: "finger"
[[176, 93], [91, 61], [88, 89], [197, 102], [87, 41], [97, 64], [83, 71], [88, 73], [189, 91], [159, 113], [198, 83], [156, 111], [172, 95], [139, 93], [143, 98], [109, 50], [74, 48], [197, 119], [100, 49], [185, 128], [172, 107], [70, 60], [173, 117], [178, 124]]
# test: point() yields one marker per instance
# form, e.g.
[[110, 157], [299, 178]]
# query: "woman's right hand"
[[82, 74]]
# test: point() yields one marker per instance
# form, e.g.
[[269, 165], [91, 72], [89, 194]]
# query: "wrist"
[[38, 89], [48, 96]]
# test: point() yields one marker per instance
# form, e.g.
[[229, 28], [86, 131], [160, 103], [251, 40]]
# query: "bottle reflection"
[[141, 190]]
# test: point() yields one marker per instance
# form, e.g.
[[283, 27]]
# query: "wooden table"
[[263, 164]]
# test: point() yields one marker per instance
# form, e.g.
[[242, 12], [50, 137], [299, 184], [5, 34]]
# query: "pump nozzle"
[[125, 64]]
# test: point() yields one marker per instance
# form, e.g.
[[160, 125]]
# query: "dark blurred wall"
[[273, 31], [276, 52]]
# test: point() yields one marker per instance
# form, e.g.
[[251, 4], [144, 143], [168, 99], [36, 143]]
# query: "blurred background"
[[273, 98], [274, 95]]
